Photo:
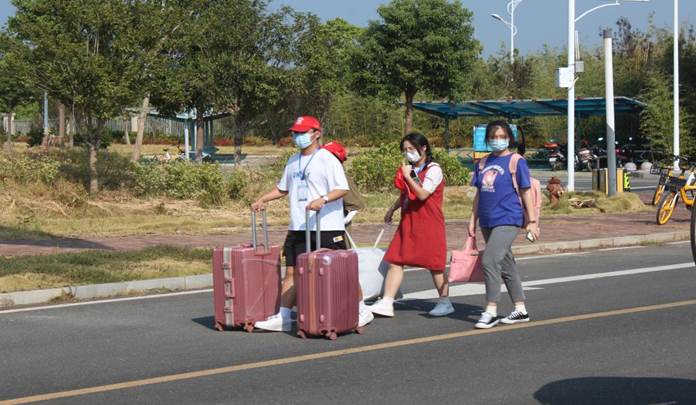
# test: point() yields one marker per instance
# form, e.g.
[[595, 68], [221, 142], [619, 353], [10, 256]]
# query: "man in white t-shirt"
[[313, 179]]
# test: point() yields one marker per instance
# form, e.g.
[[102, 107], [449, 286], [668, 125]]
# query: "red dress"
[[420, 239]]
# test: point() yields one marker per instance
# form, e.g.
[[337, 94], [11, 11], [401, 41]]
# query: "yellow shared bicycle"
[[683, 186]]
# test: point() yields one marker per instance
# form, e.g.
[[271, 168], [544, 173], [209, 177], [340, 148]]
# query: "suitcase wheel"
[[219, 327], [301, 334], [249, 326], [332, 335], [359, 330]]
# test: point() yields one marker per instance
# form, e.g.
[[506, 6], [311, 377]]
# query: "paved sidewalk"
[[563, 228]]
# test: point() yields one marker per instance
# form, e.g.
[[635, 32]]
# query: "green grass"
[[92, 267]]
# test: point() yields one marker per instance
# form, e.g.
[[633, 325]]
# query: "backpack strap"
[[514, 161]]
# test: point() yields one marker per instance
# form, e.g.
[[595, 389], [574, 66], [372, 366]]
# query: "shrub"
[[455, 173], [148, 179], [374, 169], [28, 168], [115, 171], [237, 184]]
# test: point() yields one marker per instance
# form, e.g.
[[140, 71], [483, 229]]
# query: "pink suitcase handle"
[[308, 237], [254, 232]]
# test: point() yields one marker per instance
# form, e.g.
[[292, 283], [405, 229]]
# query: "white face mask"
[[412, 156]]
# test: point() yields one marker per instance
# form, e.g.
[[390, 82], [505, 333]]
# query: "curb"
[[93, 291], [85, 292], [602, 243]]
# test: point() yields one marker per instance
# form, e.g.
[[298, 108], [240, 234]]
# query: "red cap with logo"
[[337, 149], [305, 123]]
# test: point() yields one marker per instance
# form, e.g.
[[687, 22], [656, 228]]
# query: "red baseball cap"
[[337, 149], [305, 123]]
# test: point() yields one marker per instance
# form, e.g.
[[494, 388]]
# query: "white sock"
[[388, 300], [445, 300], [492, 310], [521, 308], [285, 312]]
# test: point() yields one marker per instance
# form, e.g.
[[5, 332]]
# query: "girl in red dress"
[[420, 239]]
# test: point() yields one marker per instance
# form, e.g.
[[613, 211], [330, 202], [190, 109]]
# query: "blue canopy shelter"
[[513, 109]]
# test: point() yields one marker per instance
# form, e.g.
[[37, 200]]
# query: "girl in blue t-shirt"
[[500, 212]]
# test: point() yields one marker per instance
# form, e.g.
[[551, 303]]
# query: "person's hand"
[[316, 205], [406, 170], [259, 205], [534, 229], [388, 216], [472, 228]]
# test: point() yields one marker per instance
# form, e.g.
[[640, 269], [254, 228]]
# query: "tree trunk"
[[238, 142], [8, 143], [141, 129], [408, 127], [61, 122], [200, 135], [73, 128], [126, 129], [94, 142]]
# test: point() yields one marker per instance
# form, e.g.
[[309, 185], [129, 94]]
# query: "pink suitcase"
[[328, 290], [246, 282]]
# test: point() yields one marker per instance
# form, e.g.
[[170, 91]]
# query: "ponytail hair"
[[418, 140]]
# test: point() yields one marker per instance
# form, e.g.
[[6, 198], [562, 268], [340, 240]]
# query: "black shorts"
[[295, 243]]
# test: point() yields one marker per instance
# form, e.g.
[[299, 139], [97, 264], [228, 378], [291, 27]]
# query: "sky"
[[539, 22]]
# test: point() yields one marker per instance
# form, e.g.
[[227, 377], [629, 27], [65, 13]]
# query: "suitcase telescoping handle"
[[308, 235], [254, 232]]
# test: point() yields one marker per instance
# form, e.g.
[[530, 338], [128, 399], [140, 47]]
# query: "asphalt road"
[[609, 327]]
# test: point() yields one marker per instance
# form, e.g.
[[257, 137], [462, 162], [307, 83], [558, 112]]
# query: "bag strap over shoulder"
[[514, 161]]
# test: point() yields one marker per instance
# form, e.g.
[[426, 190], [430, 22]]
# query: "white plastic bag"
[[372, 268]]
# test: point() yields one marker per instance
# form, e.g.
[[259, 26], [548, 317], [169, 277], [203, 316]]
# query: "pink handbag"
[[466, 266]]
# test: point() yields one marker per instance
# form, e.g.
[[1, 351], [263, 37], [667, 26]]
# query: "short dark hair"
[[494, 125], [418, 140]]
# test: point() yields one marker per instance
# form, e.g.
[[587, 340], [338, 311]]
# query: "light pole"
[[571, 88], [676, 83], [511, 6]]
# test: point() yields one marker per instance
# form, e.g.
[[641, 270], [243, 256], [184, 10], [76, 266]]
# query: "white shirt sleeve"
[[433, 178], [336, 175], [284, 180]]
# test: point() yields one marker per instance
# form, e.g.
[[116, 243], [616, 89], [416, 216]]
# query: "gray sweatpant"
[[498, 263]]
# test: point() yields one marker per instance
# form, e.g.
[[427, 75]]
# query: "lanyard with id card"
[[303, 187]]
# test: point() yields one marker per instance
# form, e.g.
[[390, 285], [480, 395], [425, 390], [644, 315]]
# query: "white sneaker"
[[487, 321], [382, 308], [275, 323], [365, 317], [443, 308]]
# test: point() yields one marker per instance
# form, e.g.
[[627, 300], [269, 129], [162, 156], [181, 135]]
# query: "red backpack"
[[537, 197]]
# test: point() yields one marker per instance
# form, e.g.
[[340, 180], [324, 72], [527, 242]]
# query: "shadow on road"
[[462, 312], [18, 236], [618, 390]]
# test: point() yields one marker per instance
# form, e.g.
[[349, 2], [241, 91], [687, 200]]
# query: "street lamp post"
[[511, 6], [675, 61], [571, 88]]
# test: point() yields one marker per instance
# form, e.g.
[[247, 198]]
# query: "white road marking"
[[455, 291], [479, 289], [112, 300]]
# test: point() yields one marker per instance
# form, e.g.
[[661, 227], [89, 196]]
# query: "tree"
[[13, 85], [417, 45], [657, 118], [157, 28], [228, 59], [79, 53]]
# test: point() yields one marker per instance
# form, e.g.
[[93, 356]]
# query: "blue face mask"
[[499, 145], [302, 141]]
